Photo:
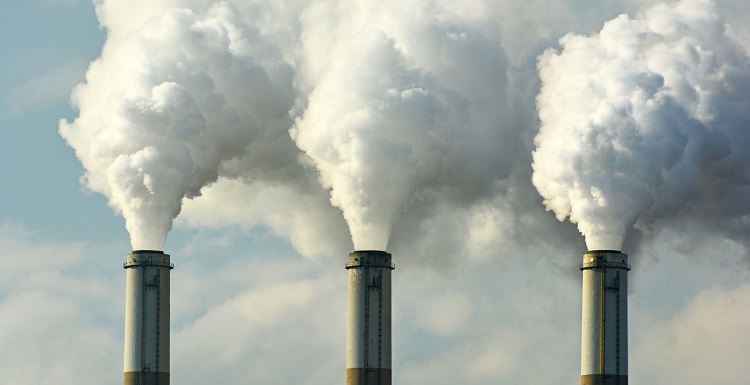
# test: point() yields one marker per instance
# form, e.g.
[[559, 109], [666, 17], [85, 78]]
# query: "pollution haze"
[[485, 144]]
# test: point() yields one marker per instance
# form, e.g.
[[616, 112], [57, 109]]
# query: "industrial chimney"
[[147, 318], [368, 339], [604, 340]]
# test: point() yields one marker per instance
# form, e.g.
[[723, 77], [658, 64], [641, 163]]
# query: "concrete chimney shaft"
[[604, 340], [147, 318], [368, 339]]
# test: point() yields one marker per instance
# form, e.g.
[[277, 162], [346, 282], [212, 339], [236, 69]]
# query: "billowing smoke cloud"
[[386, 103], [416, 118], [647, 119], [401, 110], [377, 130], [176, 94]]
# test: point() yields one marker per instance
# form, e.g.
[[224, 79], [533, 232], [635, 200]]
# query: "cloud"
[[707, 340], [62, 3], [519, 317], [57, 312], [304, 217], [53, 86], [286, 332], [432, 314]]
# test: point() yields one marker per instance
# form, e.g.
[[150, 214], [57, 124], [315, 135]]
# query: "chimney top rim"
[[605, 251]]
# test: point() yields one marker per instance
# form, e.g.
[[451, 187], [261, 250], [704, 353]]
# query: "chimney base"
[[360, 376], [146, 378], [604, 379]]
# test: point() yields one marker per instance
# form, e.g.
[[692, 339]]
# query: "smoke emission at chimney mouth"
[[172, 105], [635, 123]]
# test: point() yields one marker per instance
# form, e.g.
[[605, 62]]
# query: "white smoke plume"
[[377, 130], [390, 103], [649, 118], [416, 118], [403, 109], [176, 93]]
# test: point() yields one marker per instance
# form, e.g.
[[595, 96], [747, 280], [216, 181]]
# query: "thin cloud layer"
[[56, 318]]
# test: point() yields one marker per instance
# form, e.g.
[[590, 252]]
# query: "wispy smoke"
[[167, 104], [646, 119]]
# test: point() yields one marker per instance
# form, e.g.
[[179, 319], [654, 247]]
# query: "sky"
[[477, 142]]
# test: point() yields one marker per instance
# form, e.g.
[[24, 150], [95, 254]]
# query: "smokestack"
[[368, 338], [147, 318], [604, 340]]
